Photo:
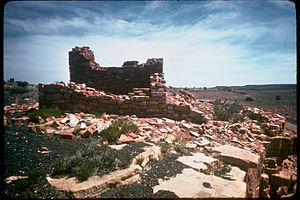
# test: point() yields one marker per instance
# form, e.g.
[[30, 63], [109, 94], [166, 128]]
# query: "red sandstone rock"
[[35, 128], [20, 120], [105, 142], [132, 135], [124, 139], [65, 135]]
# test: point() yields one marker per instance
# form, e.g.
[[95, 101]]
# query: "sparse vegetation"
[[44, 113], [181, 149], [27, 185], [139, 160], [200, 120], [278, 97], [99, 115], [118, 127], [16, 90], [227, 111], [93, 158], [248, 98], [112, 185], [22, 83], [11, 80], [124, 191], [221, 170], [165, 148]]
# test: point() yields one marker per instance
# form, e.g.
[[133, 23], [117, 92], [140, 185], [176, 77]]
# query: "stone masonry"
[[130, 89], [116, 80]]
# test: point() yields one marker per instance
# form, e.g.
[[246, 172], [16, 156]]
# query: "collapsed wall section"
[[116, 80]]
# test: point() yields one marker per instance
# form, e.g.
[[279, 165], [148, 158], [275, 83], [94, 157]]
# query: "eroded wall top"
[[117, 80]]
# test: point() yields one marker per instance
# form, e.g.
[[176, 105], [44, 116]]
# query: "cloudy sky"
[[203, 43]]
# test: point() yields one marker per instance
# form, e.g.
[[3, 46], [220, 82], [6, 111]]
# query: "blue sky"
[[203, 43]]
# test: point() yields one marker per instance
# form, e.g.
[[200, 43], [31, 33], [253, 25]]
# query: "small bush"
[[140, 160], [60, 167], [99, 115], [165, 148], [181, 149], [22, 83], [11, 80], [278, 97], [124, 161], [200, 120], [222, 170], [44, 113], [87, 169], [118, 127], [249, 98], [228, 112]]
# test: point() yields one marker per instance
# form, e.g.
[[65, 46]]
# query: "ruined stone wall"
[[116, 80], [143, 102], [131, 89], [76, 98]]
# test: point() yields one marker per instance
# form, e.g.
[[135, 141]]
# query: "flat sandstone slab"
[[237, 156], [94, 184], [192, 184], [197, 161]]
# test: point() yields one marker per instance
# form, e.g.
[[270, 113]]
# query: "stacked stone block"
[[144, 102], [272, 124], [131, 89], [116, 80]]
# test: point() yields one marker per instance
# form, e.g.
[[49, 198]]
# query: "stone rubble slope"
[[260, 145]]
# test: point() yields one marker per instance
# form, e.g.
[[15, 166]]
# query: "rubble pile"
[[273, 173], [272, 124]]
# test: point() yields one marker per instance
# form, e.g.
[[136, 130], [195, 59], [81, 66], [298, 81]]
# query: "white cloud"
[[194, 54]]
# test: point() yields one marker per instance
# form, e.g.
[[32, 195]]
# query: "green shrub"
[[44, 113], [36, 175], [228, 112], [222, 170], [278, 97], [200, 120], [181, 149], [87, 169], [118, 127], [124, 161], [139, 160], [248, 98], [99, 115], [59, 167], [11, 80], [22, 83], [165, 148]]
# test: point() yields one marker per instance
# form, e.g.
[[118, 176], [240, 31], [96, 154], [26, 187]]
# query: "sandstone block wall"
[[76, 98], [143, 102], [116, 80]]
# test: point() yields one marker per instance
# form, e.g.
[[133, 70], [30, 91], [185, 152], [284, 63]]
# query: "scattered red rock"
[[65, 135]]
